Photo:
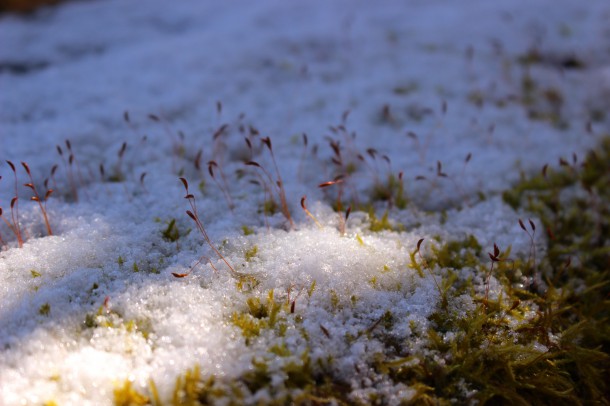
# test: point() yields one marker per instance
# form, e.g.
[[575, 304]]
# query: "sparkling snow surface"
[[285, 68]]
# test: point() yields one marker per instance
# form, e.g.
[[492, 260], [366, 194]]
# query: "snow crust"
[[284, 68]]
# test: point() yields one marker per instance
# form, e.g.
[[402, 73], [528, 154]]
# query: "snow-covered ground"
[[462, 96]]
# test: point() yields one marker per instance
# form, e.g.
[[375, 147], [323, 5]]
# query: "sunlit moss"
[[377, 225], [543, 343], [127, 395]]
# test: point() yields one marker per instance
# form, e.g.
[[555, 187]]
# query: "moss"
[[311, 289], [111, 319], [260, 315], [360, 240], [269, 208], [247, 230], [258, 378], [44, 310], [250, 327], [391, 191], [127, 395], [117, 177], [334, 299], [547, 342], [381, 224], [301, 381], [456, 254], [246, 282], [35, 274], [190, 389], [171, 233], [484, 358], [251, 253]]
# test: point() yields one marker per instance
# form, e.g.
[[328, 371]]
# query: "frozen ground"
[[463, 96]]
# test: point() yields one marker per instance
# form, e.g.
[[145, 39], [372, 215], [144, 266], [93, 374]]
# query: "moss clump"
[[171, 233], [392, 191], [269, 208], [107, 318], [545, 342], [381, 224], [247, 230], [456, 254], [250, 254], [44, 310], [303, 382], [127, 395], [260, 315], [192, 389], [483, 363]]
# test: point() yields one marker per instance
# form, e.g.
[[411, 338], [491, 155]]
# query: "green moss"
[[256, 308], [334, 299], [117, 177], [249, 326], [111, 319], [542, 341], [312, 288], [360, 240], [378, 225], [171, 233], [247, 230], [126, 395], [260, 316], [188, 388], [44, 310], [547, 342], [90, 321], [35, 274], [301, 382], [280, 350], [270, 207], [246, 282], [259, 377], [251, 253], [391, 191], [456, 254]]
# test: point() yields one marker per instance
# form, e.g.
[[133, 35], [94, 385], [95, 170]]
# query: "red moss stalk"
[[36, 197], [308, 212], [15, 208], [280, 183], [195, 217]]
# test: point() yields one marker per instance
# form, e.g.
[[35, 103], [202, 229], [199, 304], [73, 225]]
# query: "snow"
[[285, 68]]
